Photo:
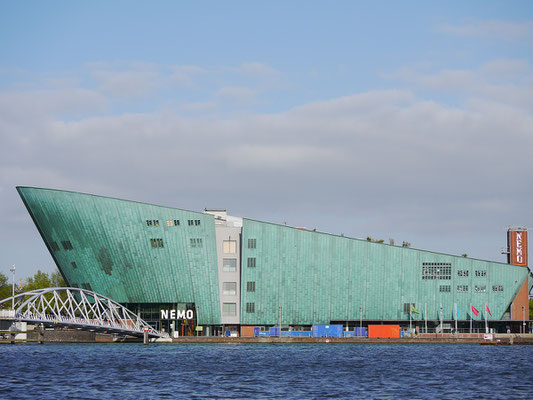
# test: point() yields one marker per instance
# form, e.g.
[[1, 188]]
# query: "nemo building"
[[208, 272]]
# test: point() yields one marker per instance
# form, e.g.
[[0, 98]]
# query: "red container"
[[384, 331], [247, 330]]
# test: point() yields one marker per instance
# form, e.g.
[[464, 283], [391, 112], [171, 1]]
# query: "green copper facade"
[[107, 245], [141, 253], [320, 278]]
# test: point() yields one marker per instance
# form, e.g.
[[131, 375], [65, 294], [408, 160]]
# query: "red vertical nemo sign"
[[518, 243]]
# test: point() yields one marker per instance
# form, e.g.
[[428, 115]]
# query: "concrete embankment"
[[66, 336], [504, 339]]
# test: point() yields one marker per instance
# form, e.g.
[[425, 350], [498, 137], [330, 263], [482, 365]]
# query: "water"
[[265, 371]]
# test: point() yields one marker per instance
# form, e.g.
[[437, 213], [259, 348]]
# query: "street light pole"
[[524, 319], [360, 320], [12, 269]]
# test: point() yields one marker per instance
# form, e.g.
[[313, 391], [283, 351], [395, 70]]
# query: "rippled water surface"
[[265, 371]]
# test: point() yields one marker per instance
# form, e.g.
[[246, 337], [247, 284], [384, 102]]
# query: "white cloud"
[[128, 80], [494, 29], [237, 95]]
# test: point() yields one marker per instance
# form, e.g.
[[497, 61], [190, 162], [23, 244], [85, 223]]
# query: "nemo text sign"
[[518, 247]]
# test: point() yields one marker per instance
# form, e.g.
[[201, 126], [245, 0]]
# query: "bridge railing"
[[81, 307]]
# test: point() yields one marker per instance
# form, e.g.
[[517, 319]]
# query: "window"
[[250, 307], [252, 243], [156, 243], [480, 288], [462, 272], [54, 246], [66, 245], [196, 242], [229, 288], [250, 286], [440, 271], [445, 288], [481, 273], [176, 222], [170, 222], [497, 288], [251, 262], [190, 222], [229, 265], [462, 288], [73, 265], [156, 222], [229, 309], [148, 222], [196, 222], [152, 222], [229, 246]]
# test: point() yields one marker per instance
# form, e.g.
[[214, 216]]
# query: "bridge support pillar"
[[146, 340]]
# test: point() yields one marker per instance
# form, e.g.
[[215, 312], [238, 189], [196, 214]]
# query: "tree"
[[40, 280], [5, 287]]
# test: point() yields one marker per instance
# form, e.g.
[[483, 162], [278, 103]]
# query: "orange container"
[[384, 331], [247, 330]]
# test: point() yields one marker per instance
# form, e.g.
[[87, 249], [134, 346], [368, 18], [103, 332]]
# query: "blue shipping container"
[[306, 334], [256, 332], [360, 332], [274, 331], [327, 330], [349, 334]]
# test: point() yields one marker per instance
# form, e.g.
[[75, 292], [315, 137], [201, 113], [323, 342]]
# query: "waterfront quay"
[[69, 336]]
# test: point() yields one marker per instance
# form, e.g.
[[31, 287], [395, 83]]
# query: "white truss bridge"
[[77, 309]]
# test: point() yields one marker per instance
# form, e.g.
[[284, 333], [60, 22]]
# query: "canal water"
[[265, 371]]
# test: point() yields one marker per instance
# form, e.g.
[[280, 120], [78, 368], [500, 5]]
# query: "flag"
[[457, 313], [487, 308], [414, 310], [474, 310]]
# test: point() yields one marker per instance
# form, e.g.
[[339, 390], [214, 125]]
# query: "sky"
[[408, 120]]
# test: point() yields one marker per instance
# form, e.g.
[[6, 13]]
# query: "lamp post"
[[360, 320], [524, 319], [12, 269]]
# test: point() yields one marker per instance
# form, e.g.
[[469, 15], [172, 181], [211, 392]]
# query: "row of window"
[[156, 243], [172, 222], [65, 243], [441, 271], [230, 288], [480, 288], [197, 242]]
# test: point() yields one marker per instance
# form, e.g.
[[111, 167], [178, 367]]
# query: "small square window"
[[229, 288], [229, 265], [229, 309], [229, 246], [176, 222], [250, 307], [252, 243], [250, 286]]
